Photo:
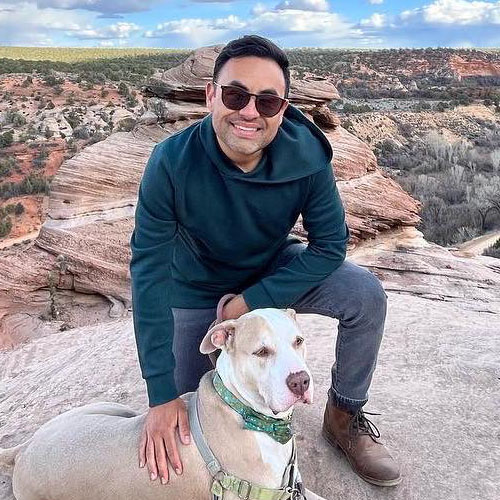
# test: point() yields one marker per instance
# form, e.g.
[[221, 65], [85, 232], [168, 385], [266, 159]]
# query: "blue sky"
[[289, 23]]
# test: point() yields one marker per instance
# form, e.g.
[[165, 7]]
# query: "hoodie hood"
[[298, 150]]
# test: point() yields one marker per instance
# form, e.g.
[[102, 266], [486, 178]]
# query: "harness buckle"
[[244, 490], [295, 493]]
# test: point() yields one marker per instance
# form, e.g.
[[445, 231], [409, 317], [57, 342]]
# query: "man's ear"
[[218, 337], [209, 95]]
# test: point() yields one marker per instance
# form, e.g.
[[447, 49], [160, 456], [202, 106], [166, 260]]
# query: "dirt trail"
[[477, 245]]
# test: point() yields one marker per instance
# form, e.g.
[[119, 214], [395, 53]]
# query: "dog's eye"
[[262, 352], [299, 341]]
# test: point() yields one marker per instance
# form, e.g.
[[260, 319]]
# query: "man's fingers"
[[173, 454], [161, 460], [151, 460], [184, 431], [142, 448]]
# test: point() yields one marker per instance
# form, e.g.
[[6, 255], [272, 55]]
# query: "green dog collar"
[[279, 429]]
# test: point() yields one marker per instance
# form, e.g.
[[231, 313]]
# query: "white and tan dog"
[[91, 452]]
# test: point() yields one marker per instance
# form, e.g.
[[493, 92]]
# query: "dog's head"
[[263, 356]]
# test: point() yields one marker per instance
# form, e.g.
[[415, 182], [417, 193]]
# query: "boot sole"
[[368, 479]]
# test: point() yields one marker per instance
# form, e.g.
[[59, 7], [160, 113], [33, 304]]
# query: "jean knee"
[[373, 296]]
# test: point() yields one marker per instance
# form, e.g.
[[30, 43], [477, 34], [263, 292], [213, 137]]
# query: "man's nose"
[[298, 382], [250, 111]]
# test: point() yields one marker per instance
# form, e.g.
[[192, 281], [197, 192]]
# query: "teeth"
[[245, 128]]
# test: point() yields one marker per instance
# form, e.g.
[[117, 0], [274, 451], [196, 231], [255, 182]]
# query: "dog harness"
[[292, 488]]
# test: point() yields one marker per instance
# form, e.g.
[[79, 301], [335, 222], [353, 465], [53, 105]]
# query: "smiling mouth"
[[245, 132]]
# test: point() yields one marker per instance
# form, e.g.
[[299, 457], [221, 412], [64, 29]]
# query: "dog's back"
[[91, 452]]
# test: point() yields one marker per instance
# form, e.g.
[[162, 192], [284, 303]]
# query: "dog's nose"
[[298, 382]]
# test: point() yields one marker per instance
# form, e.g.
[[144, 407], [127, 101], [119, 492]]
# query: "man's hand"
[[157, 442], [235, 308]]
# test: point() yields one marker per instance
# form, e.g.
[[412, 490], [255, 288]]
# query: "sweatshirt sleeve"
[[151, 245], [324, 219]]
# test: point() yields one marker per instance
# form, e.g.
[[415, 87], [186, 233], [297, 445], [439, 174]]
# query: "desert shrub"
[[493, 250], [27, 82], [15, 118], [7, 165], [19, 209], [123, 89], [6, 139], [52, 80], [81, 132], [40, 158], [96, 137], [353, 108], [73, 118], [5, 226]]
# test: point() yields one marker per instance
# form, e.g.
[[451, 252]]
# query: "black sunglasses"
[[236, 98]]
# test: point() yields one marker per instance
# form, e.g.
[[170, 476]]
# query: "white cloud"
[[198, 32], [320, 28], [375, 21], [258, 9], [27, 25], [114, 31], [311, 5], [454, 12], [376, 2], [104, 6]]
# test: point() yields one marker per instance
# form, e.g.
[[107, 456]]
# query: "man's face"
[[255, 75]]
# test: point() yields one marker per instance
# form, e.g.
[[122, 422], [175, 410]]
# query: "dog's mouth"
[[305, 398]]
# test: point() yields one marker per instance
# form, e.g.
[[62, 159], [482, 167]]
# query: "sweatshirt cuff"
[[161, 389], [257, 297]]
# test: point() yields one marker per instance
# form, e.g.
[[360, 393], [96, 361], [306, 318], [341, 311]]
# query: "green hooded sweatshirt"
[[204, 228]]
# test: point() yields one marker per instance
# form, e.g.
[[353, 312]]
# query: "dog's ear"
[[218, 336], [292, 313]]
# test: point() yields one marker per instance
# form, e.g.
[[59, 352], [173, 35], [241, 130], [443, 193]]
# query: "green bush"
[[493, 250], [19, 208], [5, 226], [6, 139], [6, 165]]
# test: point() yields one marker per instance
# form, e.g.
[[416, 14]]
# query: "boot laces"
[[361, 425]]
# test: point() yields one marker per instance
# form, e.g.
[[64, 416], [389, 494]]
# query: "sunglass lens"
[[268, 105], [234, 99]]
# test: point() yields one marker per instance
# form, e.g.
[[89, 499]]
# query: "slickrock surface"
[[436, 383]]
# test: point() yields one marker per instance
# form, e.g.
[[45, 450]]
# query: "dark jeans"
[[351, 294]]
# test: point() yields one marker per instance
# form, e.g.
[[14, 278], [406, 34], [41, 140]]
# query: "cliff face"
[[463, 68]]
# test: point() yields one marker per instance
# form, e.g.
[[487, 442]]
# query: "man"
[[216, 203]]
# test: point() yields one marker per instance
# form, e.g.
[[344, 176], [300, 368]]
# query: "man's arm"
[[324, 219], [151, 245]]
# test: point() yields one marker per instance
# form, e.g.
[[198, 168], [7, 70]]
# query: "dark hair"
[[254, 45]]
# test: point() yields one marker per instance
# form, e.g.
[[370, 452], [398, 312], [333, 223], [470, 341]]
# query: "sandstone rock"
[[352, 158], [123, 120], [187, 81], [148, 118], [325, 118]]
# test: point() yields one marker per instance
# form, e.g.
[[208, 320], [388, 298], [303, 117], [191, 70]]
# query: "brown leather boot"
[[357, 437]]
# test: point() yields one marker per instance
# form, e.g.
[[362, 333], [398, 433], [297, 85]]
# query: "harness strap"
[[245, 490]]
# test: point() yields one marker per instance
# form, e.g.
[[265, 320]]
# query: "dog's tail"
[[8, 457]]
